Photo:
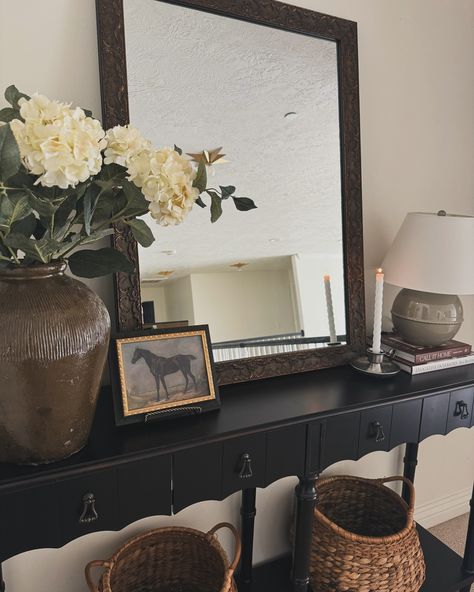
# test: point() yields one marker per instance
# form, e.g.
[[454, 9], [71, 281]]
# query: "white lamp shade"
[[433, 253]]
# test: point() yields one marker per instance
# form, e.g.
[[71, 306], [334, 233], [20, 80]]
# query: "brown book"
[[417, 354]]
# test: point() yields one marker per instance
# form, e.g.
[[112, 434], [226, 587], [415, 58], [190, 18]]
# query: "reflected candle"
[[377, 335], [332, 326]]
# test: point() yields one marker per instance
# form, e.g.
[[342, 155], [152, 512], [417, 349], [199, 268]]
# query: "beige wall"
[[155, 292], [243, 304], [417, 116], [179, 301]]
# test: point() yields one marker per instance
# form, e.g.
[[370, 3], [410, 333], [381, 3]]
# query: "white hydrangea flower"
[[166, 180], [58, 143], [123, 143]]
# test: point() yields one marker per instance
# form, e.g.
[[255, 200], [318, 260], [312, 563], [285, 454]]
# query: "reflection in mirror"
[[270, 98]]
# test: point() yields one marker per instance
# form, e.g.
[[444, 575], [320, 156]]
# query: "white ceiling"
[[201, 81]]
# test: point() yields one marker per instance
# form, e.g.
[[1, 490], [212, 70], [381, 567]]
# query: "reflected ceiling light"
[[169, 252], [165, 273], [238, 266], [274, 240]]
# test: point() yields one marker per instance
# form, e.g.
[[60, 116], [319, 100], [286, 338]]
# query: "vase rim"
[[34, 272]]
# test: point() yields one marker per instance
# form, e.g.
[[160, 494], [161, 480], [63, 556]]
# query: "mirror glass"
[[268, 99]]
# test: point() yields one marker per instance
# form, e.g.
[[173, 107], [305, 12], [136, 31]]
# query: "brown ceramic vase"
[[54, 335]]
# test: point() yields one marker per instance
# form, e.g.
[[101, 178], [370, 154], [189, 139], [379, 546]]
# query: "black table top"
[[246, 408]]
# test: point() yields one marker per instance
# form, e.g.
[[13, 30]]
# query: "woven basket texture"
[[171, 559], [364, 538]]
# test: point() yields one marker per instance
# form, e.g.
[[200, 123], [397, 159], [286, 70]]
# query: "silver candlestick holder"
[[376, 364]]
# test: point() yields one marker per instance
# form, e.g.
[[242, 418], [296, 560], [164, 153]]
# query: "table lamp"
[[431, 258]]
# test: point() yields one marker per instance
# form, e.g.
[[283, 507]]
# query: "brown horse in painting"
[[161, 367]]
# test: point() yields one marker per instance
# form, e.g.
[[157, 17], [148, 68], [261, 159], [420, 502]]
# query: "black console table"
[[266, 430]]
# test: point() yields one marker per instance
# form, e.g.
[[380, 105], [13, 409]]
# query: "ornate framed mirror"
[[277, 87]]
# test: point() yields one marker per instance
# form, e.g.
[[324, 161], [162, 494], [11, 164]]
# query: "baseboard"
[[444, 508]]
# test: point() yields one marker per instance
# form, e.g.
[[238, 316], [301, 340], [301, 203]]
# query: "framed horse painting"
[[163, 373]]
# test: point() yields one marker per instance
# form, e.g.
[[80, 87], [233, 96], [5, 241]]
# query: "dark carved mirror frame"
[[113, 75]]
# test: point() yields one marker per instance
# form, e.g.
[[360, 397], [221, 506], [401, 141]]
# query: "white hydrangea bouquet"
[[64, 181]]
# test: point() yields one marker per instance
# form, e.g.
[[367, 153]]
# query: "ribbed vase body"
[[54, 335]]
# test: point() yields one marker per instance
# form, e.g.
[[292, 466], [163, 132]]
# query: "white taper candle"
[[378, 306], [332, 326]]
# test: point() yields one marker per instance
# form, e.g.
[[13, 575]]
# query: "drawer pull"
[[246, 466], [89, 513], [461, 410], [376, 431]]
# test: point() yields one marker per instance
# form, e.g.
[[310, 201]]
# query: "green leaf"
[[201, 177], [137, 204], [43, 206], [9, 153], [200, 203], [108, 206], [64, 217], [90, 263], [97, 235], [111, 174], [8, 114], [141, 232], [216, 206], [77, 239], [26, 226], [39, 250], [13, 209], [13, 95], [178, 150], [244, 203], [90, 199], [227, 191], [40, 229], [88, 112]]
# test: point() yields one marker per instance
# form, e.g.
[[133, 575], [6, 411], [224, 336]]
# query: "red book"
[[418, 354]]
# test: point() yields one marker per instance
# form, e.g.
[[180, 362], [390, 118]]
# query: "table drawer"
[[340, 439], [434, 415], [243, 464], [28, 520], [197, 475], [88, 504], [406, 420], [375, 427], [286, 448], [460, 409], [144, 489]]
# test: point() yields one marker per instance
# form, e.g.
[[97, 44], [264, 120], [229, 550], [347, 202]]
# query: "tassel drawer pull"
[[245, 466], [461, 410], [377, 432], [89, 513]]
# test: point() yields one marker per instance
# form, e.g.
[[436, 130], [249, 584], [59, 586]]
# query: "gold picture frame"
[[163, 373]]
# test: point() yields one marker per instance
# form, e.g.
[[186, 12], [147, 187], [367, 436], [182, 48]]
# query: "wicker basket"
[[365, 538], [169, 560]]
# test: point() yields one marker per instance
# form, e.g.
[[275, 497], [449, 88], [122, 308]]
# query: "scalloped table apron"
[[54, 335]]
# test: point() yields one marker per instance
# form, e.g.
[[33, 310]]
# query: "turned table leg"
[[305, 502], [247, 512], [468, 561], [409, 461]]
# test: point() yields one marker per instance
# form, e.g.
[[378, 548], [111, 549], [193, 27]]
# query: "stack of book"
[[416, 359]]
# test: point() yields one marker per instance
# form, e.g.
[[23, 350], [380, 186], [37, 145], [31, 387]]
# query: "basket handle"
[[411, 489], [238, 545], [96, 563]]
